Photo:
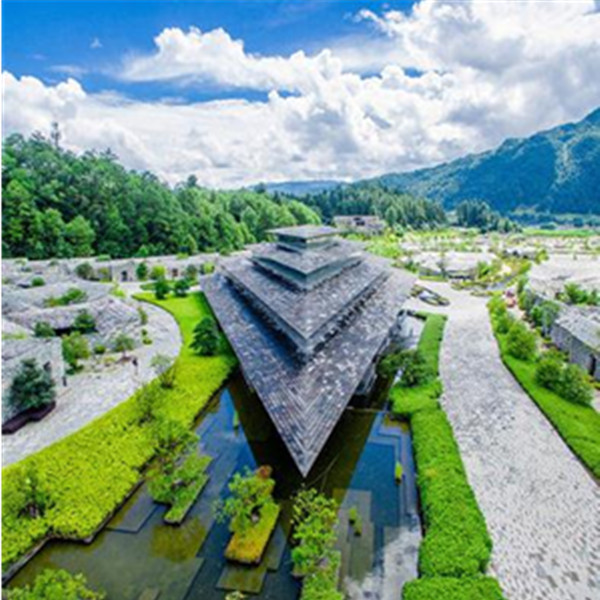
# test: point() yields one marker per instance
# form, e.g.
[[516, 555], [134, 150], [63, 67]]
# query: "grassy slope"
[[578, 425], [456, 547], [89, 473]]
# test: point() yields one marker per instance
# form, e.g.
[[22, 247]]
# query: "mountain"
[[556, 171], [301, 188]]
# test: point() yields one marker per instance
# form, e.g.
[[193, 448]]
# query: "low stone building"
[[577, 332], [364, 224], [455, 265]]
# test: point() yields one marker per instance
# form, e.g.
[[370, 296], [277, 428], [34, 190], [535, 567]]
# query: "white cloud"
[[486, 71], [95, 44]]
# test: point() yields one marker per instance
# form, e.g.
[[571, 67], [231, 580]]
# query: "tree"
[[75, 348], [34, 498], [84, 270], [43, 329], [84, 322], [161, 289], [414, 368], [80, 236], [520, 342], [250, 493], [191, 273], [165, 369], [172, 439], [55, 585], [314, 519], [181, 288], [123, 343], [141, 271], [147, 400], [206, 338], [32, 387]]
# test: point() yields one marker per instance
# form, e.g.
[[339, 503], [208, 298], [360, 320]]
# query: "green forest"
[[58, 204]]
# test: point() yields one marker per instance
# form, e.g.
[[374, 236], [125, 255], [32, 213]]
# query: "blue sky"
[[237, 92], [41, 36]]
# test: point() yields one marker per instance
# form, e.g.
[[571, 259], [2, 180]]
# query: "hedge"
[[578, 425], [447, 588], [456, 547], [88, 474]]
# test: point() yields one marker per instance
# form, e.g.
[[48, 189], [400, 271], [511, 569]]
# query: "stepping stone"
[[149, 594], [135, 512], [245, 579], [275, 549]]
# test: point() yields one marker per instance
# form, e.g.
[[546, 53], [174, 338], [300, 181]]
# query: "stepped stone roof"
[[583, 324], [305, 232], [306, 352]]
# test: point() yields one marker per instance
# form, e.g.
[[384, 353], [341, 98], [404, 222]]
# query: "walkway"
[[91, 394], [541, 506]]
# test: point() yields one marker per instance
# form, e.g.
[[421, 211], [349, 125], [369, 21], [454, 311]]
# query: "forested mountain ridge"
[[554, 171], [57, 204]]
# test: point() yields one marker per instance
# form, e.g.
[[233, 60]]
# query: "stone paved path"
[[541, 506], [90, 394]]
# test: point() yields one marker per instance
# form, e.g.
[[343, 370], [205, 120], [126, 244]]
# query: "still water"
[[137, 555]]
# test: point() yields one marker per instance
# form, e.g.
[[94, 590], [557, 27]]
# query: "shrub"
[[123, 343], [574, 386], [84, 322], [141, 271], [71, 296], [99, 349], [84, 270], [181, 288], [208, 268], [75, 348], [143, 315], [161, 289], [206, 338], [398, 472], [55, 585], [43, 329], [549, 370], [191, 273], [32, 387], [165, 369], [415, 369], [521, 342], [314, 520], [505, 321], [448, 588], [38, 282], [158, 272]]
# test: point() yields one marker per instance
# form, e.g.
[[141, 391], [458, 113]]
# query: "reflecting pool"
[[137, 556]]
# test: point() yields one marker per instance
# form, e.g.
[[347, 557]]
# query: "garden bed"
[[456, 547], [249, 546], [578, 425]]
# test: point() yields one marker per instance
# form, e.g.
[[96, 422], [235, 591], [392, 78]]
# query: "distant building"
[[308, 317], [364, 224], [577, 332], [455, 265]]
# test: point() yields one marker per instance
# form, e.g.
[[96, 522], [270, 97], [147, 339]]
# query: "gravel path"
[[90, 394], [541, 506]]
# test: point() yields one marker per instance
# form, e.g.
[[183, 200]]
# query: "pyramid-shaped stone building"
[[308, 316]]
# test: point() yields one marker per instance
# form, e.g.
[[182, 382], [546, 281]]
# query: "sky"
[[238, 92]]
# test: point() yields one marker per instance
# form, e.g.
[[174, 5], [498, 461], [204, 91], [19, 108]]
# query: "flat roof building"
[[307, 317]]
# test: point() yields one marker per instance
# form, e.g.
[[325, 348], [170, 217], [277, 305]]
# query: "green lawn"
[[87, 475], [456, 547], [578, 425]]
